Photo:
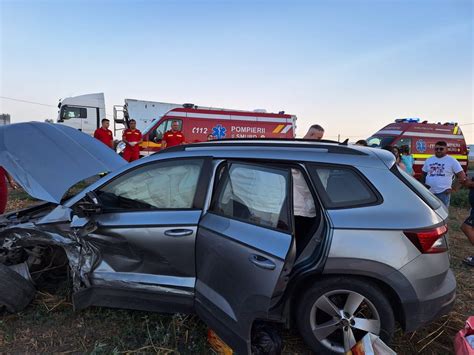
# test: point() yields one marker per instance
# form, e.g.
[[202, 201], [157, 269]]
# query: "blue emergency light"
[[408, 120]]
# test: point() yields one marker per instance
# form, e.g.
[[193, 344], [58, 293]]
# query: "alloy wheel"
[[340, 318]]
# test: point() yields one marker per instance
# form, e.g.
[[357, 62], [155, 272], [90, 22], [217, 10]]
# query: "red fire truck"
[[201, 124], [421, 137]]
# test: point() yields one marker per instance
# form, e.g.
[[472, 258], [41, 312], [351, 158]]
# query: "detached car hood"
[[47, 159]]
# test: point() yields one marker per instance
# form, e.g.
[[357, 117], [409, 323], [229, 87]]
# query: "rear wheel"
[[336, 313], [16, 292]]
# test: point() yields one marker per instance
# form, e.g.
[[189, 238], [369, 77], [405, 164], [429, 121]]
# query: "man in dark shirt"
[[104, 134]]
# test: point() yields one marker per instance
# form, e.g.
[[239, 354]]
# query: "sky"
[[352, 66]]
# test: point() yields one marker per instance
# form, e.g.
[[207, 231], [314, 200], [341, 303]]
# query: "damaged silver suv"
[[328, 238]]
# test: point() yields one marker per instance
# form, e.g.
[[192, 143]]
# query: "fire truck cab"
[[202, 124], [421, 137]]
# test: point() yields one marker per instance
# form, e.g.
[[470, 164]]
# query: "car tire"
[[16, 292], [313, 313]]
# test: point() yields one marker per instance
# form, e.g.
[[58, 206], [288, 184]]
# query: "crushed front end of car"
[[45, 251]]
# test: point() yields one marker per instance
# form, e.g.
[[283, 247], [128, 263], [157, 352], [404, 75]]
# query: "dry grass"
[[50, 325]]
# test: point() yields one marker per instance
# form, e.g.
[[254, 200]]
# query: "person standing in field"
[[4, 177], [173, 137], [104, 134], [468, 225], [439, 172], [132, 137], [407, 159]]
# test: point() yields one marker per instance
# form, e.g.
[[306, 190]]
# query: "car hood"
[[47, 159]]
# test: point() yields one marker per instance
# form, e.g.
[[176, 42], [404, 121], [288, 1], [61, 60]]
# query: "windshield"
[[380, 141]]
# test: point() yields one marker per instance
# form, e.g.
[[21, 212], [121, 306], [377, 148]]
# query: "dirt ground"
[[50, 324]]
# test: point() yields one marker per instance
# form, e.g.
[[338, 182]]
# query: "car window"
[[380, 141], [342, 187], [418, 188], [404, 142], [254, 194], [68, 112], [160, 185]]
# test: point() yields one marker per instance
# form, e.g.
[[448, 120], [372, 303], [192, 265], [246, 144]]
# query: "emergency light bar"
[[407, 120]]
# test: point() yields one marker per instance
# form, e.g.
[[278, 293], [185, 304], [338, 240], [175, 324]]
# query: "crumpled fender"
[[82, 255]]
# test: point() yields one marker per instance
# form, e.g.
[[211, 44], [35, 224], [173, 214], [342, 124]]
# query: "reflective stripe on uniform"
[[431, 135]]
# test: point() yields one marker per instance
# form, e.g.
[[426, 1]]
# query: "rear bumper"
[[437, 304]]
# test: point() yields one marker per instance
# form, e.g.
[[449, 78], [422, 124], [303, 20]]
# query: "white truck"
[[85, 112]]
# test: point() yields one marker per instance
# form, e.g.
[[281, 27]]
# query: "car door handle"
[[178, 232], [262, 262]]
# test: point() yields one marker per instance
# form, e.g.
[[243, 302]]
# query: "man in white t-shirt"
[[439, 171]]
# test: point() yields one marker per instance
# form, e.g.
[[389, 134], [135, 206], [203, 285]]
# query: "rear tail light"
[[430, 241]]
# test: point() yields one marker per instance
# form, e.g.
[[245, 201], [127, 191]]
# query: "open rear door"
[[244, 249]]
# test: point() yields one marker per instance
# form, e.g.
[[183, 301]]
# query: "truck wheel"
[[16, 292], [336, 313]]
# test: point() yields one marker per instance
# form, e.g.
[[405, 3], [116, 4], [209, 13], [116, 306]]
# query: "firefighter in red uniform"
[[4, 176], [104, 134], [172, 137], [132, 138]]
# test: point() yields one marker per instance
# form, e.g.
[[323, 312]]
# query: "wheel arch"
[[387, 288]]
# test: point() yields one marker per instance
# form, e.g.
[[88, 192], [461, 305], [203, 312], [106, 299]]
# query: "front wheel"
[[16, 292], [334, 314]]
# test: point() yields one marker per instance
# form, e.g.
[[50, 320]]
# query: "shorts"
[[470, 220], [445, 198]]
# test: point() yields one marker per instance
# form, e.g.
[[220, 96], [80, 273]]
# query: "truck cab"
[[82, 112], [85, 112]]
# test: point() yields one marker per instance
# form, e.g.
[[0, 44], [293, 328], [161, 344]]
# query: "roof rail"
[[345, 142], [338, 147]]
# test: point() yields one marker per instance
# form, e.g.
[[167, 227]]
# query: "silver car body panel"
[[427, 273], [384, 244], [231, 289], [142, 246], [47, 159]]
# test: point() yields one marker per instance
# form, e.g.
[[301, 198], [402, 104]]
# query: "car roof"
[[284, 149]]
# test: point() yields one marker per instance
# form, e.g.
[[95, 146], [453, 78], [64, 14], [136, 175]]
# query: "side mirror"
[[89, 205]]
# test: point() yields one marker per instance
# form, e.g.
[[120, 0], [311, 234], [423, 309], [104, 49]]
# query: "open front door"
[[244, 249]]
